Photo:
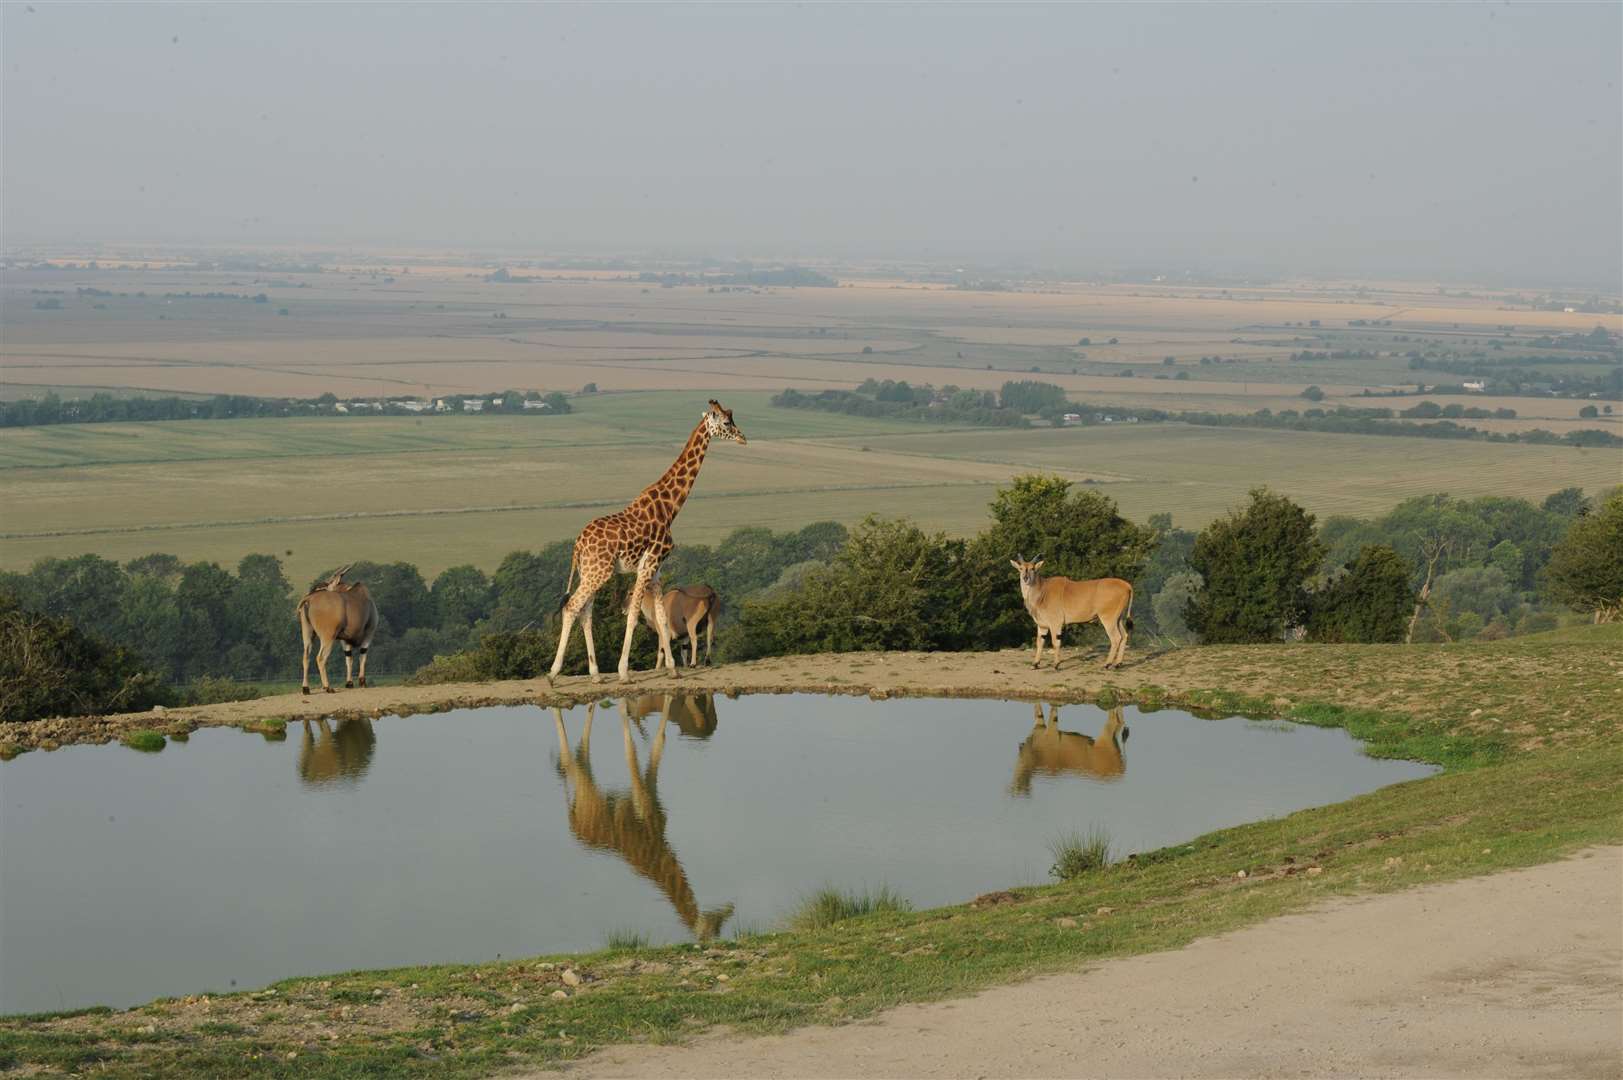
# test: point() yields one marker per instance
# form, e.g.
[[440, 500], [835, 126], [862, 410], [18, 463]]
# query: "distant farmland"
[[446, 490]]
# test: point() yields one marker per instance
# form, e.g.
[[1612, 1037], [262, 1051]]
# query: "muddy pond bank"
[[1445, 682]]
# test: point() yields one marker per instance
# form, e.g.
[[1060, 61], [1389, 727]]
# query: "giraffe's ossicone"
[[637, 539]]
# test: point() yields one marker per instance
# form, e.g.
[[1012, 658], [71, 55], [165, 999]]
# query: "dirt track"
[[1518, 974]]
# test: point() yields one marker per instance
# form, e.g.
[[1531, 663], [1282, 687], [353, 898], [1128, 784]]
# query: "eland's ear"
[[1038, 565], [1014, 564]]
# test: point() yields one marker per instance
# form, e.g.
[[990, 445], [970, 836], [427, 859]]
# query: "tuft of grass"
[[625, 940], [829, 905], [148, 742], [1077, 853]]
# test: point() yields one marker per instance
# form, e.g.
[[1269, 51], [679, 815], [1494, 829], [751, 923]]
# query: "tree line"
[[1434, 568], [1017, 401], [103, 408]]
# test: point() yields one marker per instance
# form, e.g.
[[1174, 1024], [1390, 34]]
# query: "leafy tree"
[[908, 582], [1589, 412], [49, 667], [1170, 603], [1369, 603], [1313, 393], [1568, 502], [462, 596], [1480, 590], [203, 596], [1586, 568], [87, 590], [1255, 563]]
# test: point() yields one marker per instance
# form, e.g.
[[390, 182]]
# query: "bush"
[[209, 690], [829, 905], [1586, 568], [1256, 563], [50, 668], [1077, 853], [1371, 602]]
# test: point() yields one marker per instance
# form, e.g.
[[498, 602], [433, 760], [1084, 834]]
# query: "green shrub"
[[1370, 603], [829, 905], [1077, 853], [48, 667], [148, 742]]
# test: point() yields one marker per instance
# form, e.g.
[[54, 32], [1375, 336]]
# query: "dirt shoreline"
[[1272, 676], [1515, 974]]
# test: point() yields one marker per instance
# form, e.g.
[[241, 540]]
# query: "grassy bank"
[[1532, 769]]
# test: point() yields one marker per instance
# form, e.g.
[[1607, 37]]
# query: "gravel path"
[[1517, 974]]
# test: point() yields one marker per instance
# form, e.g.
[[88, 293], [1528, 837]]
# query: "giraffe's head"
[[719, 423]]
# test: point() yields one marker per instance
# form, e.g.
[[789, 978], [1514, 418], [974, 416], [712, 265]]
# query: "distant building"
[[1475, 387], [529, 405], [412, 406], [1073, 418], [473, 404], [341, 407]]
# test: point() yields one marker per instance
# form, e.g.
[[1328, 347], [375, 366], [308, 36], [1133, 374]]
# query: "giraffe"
[[637, 539]]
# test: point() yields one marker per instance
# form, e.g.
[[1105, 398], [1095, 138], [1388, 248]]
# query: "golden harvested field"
[[439, 491]]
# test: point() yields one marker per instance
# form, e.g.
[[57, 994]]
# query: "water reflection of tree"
[[1052, 752], [632, 824], [336, 756]]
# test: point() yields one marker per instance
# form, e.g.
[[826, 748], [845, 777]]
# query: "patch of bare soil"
[[1518, 974]]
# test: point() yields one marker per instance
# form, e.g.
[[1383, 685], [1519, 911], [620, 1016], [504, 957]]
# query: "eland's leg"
[[1054, 639], [349, 666], [662, 627], [367, 644], [1037, 661], [305, 666], [321, 666]]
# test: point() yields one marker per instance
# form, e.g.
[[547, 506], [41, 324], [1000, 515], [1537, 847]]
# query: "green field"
[[439, 491]]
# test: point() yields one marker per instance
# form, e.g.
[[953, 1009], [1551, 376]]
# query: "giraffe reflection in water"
[[1052, 752], [334, 757], [632, 823]]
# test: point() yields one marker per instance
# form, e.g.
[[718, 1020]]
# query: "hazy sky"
[[1476, 141]]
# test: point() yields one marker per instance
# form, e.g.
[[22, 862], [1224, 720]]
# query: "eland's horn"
[[342, 570]]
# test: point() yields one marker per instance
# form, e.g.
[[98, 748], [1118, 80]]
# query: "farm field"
[[440, 491]]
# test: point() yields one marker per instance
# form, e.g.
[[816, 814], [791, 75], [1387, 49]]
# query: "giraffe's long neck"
[[665, 496]]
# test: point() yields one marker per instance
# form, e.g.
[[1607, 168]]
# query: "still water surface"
[[232, 861]]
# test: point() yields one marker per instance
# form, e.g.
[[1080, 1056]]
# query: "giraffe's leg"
[[590, 582], [591, 641], [647, 569]]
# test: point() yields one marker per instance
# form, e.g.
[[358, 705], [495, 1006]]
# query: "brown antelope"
[[687, 607], [631, 824], [1056, 602], [338, 611], [1052, 752], [693, 714], [337, 756]]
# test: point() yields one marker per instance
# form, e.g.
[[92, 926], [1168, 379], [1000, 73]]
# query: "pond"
[[230, 860]]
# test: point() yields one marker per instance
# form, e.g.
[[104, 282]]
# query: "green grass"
[[1531, 758], [148, 742], [443, 491], [1077, 853], [829, 905], [623, 940]]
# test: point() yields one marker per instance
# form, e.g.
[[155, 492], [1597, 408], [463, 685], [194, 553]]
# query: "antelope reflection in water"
[[631, 823], [336, 756], [1052, 752], [693, 714]]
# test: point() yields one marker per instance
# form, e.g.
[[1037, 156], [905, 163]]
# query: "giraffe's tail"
[[569, 581]]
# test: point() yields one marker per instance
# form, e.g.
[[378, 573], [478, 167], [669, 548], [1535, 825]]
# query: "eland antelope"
[[1055, 602], [337, 611], [687, 608]]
